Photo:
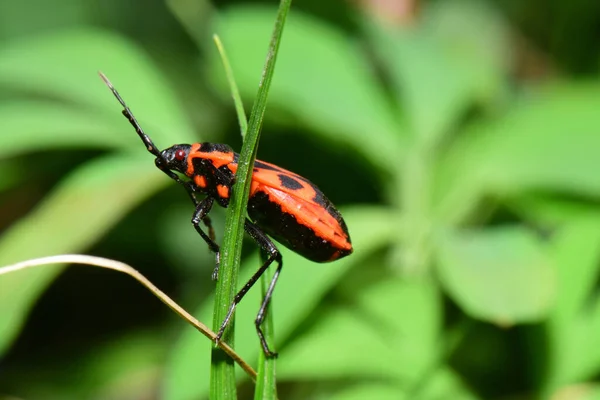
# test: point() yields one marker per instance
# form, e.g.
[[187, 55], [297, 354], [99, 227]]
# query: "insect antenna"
[[161, 162], [129, 115]]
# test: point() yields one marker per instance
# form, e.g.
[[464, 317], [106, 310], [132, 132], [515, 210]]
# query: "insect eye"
[[180, 155]]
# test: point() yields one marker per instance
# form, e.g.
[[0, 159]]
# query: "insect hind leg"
[[274, 255], [262, 312]]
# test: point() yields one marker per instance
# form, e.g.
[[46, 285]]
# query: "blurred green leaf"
[[32, 126], [78, 212], [193, 15], [367, 390], [575, 355], [10, 174], [299, 291], [591, 362], [389, 321], [577, 252], [551, 211], [547, 141], [503, 275], [322, 80], [442, 67], [413, 328], [574, 324], [128, 363], [328, 350], [443, 384], [65, 65], [33, 16], [122, 366], [578, 391]]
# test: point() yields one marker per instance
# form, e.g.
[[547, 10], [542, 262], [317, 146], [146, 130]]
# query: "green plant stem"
[[266, 386], [222, 369]]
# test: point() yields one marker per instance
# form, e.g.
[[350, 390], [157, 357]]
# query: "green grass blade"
[[235, 92], [222, 369], [266, 387]]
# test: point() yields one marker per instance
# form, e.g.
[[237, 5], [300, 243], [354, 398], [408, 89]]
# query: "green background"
[[460, 140]]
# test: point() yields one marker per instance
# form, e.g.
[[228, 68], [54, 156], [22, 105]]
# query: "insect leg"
[[211, 234], [262, 312], [190, 188], [202, 209], [208, 223], [266, 244]]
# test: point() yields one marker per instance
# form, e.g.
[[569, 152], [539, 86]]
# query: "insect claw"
[[272, 354], [219, 335], [215, 274]]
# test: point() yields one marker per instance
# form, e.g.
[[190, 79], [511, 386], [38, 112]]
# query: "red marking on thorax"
[[217, 158]]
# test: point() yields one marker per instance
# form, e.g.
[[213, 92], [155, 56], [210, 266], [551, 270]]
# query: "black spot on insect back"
[[320, 198], [264, 165], [289, 182], [324, 202]]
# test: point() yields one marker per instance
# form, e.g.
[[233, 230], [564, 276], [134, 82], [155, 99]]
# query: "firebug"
[[282, 205]]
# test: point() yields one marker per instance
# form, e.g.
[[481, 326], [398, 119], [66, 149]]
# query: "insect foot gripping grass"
[[282, 204]]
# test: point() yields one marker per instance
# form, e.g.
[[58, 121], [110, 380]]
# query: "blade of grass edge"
[[235, 92], [266, 387], [222, 379]]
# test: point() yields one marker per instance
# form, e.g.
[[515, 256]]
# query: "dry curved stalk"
[[122, 267]]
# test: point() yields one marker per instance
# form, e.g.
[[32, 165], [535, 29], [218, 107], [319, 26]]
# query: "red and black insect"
[[282, 204]]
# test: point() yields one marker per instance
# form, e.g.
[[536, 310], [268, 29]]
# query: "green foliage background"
[[462, 145]]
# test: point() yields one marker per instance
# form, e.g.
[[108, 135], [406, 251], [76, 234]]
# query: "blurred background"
[[459, 138]]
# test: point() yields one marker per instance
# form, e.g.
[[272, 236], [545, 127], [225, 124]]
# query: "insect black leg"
[[211, 234], [202, 209], [262, 312], [208, 223], [266, 244], [190, 188]]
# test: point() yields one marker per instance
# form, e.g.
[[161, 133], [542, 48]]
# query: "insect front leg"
[[201, 214], [191, 190], [274, 255]]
